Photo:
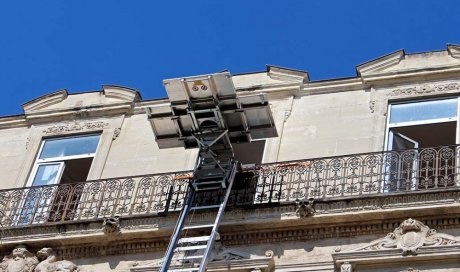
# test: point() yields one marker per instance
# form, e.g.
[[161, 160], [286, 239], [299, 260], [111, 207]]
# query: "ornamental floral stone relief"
[[410, 236], [76, 126], [425, 89]]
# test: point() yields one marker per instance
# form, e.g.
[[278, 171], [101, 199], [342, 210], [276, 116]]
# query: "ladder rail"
[[177, 230], [214, 233]]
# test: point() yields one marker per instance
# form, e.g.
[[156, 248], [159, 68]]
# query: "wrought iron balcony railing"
[[324, 178]]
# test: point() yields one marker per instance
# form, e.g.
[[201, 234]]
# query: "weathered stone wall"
[[13, 149], [135, 152]]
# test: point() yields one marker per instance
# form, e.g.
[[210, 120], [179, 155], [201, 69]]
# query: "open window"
[[64, 160], [244, 185], [59, 161], [421, 133]]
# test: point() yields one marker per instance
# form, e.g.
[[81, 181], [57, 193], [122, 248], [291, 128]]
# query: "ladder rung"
[[198, 227], [188, 248], [193, 257], [184, 269], [205, 207], [194, 239]]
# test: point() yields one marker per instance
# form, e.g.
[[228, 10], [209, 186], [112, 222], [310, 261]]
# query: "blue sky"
[[81, 45]]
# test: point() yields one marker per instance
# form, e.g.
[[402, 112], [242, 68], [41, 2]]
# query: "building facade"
[[363, 176]]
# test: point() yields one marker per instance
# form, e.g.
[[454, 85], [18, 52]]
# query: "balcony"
[[380, 174]]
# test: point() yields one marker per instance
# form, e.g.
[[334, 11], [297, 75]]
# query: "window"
[[64, 160], [60, 160], [412, 128]]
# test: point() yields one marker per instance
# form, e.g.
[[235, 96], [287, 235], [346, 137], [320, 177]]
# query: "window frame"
[[390, 126], [38, 161]]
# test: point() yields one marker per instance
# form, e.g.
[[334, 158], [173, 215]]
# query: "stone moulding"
[[45, 101], [411, 241], [424, 89], [377, 65], [410, 236], [74, 127], [287, 225], [225, 259]]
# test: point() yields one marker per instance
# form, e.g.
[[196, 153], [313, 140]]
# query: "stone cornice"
[[75, 114], [121, 93], [274, 91], [413, 75], [333, 86], [305, 267], [13, 121], [287, 74], [374, 66], [454, 50], [45, 101], [60, 106], [261, 224]]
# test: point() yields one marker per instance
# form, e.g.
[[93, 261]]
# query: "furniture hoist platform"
[[204, 112]]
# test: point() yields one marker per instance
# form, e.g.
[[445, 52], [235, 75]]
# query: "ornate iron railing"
[[324, 178]]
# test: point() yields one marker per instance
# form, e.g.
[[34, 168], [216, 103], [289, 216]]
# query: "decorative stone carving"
[[116, 133], [27, 143], [111, 225], [346, 267], [372, 105], [50, 263], [20, 260], [410, 236], [228, 254], [269, 253], [58, 129], [410, 269], [305, 208], [222, 259], [425, 89]]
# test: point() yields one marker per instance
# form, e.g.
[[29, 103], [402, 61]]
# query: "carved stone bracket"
[[111, 225], [346, 267], [116, 133], [372, 106], [305, 208]]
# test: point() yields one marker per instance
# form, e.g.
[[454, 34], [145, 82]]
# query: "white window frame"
[[54, 160], [62, 159], [389, 125]]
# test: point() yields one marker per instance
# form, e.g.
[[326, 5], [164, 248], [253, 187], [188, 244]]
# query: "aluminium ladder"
[[192, 242]]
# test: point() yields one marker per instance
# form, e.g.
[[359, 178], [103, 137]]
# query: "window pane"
[[70, 146], [46, 174], [425, 110]]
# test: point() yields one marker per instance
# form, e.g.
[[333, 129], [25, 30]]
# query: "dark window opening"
[[427, 135], [249, 153], [76, 170]]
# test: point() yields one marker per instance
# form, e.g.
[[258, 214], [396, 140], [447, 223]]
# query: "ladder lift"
[[205, 113]]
